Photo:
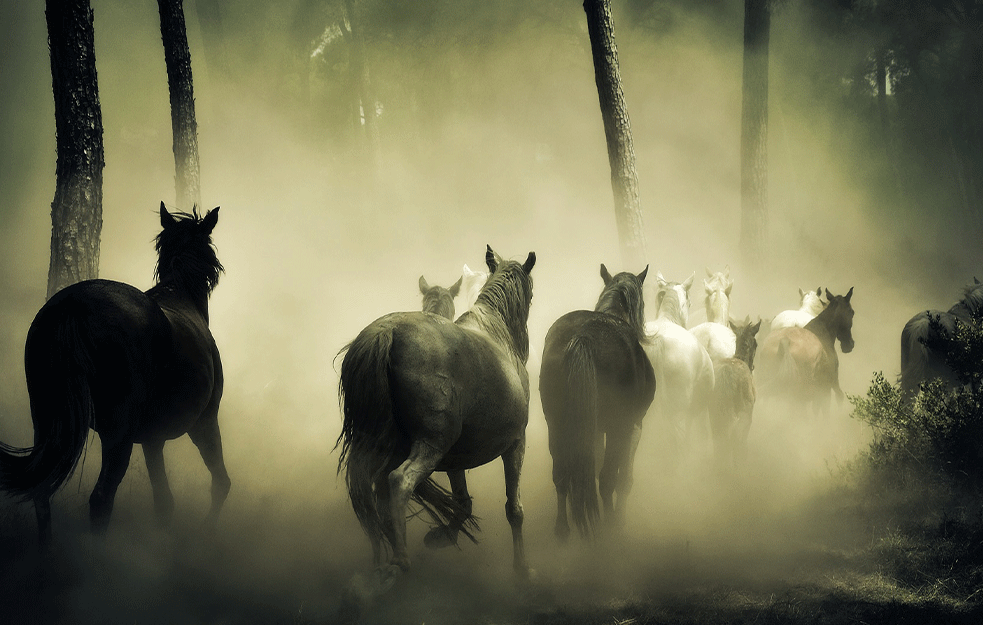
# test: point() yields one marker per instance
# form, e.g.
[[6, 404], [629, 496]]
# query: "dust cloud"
[[317, 244]]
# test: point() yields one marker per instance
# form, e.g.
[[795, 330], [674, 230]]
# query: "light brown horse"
[[732, 399], [801, 364]]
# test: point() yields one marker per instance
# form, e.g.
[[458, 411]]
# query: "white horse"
[[473, 281], [715, 335], [683, 370], [810, 304]]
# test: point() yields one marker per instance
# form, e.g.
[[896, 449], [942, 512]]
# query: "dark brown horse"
[[801, 364], [136, 367], [422, 394], [919, 363], [596, 385], [733, 397]]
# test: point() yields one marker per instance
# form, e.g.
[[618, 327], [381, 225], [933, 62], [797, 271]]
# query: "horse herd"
[[423, 392]]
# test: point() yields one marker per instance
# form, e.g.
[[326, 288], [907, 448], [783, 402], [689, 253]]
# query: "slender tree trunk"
[[76, 211], [617, 132], [360, 69], [177, 57], [754, 132]]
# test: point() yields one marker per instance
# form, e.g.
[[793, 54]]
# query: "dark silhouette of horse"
[[420, 394], [801, 363], [919, 362], [136, 367], [732, 399], [437, 299], [596, 384]]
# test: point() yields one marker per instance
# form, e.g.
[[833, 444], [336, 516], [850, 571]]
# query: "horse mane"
[[671, 307], [622, 298], [186, 259], [438, 301], [502, 307]]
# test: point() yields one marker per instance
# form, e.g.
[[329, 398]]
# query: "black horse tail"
[[58, 366], [574, 449], [370, 438]]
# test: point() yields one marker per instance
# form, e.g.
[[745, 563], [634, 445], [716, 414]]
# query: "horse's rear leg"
[[403, 481], [115, 461], [626, 478], [440, 537], [513, 459], [561, 481], [207, 438], [153, 454]]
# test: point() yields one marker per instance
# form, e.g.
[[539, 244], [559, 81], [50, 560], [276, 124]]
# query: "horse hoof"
[[440, 537]]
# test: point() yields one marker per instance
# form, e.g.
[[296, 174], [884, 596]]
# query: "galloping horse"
[[801, 363], [732, 400], [810, 304], [918, 362], [683, 370], [715, 335], [136, 367], [423, 394], [437, 299], [596, 385]]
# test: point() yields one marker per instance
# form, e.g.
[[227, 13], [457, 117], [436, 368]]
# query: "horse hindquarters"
[[568, 385], [57, 363]]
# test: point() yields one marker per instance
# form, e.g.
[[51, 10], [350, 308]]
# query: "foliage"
[[939, 435]]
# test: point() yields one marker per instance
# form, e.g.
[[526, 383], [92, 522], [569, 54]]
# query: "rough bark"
[[177, 58], [754, 132], [617, 132], [76, 211]]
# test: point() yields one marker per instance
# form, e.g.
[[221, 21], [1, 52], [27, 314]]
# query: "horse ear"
[[424, 287], [641, 276], [849, 294], [730, 285], [455, 288], [756, 327], [819, 291], [709, 273], [801, 293], [605, 275], [467, 271], [689, 281], [660, 279], [829, 295], [975, 280], [706, 286], [210, 219], [727, 271], [165, 217], [530, 262], [491, 259]]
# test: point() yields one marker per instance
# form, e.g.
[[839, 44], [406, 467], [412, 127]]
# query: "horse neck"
[[175, 293], [618, 307], [438, 305], [718, 307], [487, 319], [821, 326]]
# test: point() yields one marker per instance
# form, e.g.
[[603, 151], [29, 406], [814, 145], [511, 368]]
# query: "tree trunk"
[[76, 211], [360, 70], [754, 132], [617, 132], [177, 57]]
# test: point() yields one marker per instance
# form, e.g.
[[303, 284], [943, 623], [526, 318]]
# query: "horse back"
[[918, 362], [455, 387]]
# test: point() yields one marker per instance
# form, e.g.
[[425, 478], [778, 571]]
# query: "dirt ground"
[[786, 541]]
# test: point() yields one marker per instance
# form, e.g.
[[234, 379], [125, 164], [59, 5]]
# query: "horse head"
[[812, 302], [841, 323], [622, 297], [747, 342], [437, 299], [672, 299]]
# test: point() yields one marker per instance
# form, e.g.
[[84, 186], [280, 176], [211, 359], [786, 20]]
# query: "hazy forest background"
[[484, 128]]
